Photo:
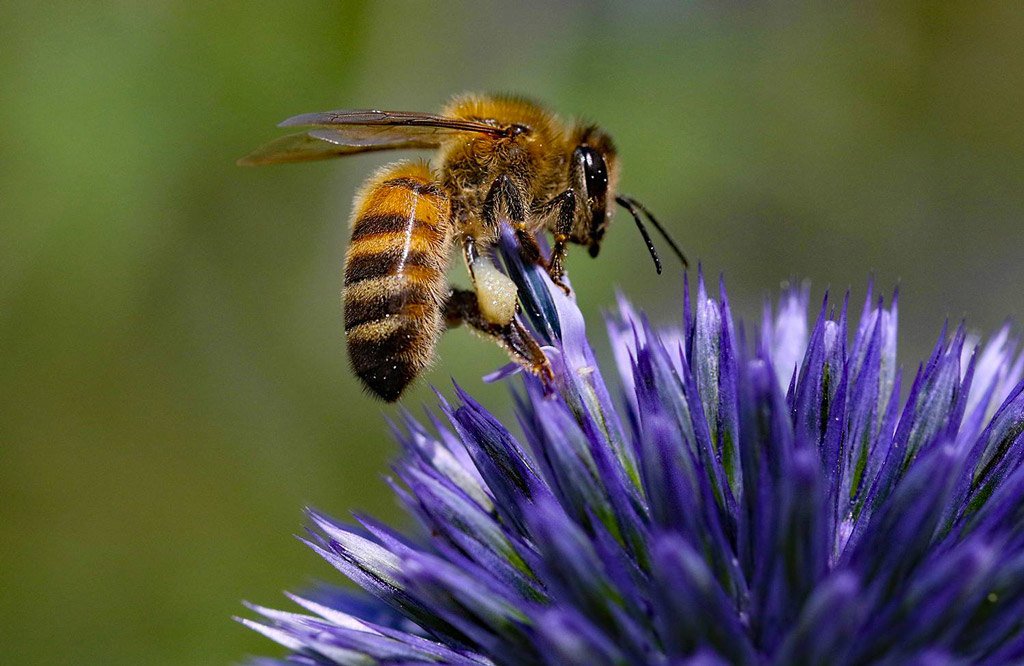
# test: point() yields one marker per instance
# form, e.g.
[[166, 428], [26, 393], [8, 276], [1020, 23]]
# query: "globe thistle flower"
[[731, 498]]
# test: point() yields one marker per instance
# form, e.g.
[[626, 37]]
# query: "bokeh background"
[[174, 379]]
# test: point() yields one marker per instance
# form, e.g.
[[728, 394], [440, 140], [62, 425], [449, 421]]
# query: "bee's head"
[[594, 173]]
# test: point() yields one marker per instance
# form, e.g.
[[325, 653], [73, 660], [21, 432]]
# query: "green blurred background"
[[174, 380]]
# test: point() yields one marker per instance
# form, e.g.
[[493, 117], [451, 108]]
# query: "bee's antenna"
[[631, 203]]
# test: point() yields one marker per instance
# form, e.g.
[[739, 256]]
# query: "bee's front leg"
[[565, 206]]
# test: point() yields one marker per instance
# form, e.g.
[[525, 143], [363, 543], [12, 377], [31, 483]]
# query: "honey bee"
[[500, 160]]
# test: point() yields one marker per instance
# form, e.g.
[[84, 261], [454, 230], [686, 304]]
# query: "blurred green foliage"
[[173, 373]]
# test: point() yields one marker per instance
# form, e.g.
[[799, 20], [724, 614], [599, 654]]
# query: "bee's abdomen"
[[395, 277]]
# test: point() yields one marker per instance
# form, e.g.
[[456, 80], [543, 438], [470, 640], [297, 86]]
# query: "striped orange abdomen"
[[395, 277]]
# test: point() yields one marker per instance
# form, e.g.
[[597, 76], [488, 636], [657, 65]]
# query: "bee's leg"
[[497, 295], [565, 206], [461, 307], [505, 197]]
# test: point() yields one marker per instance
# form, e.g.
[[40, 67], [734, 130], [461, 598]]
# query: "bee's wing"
[[356, 131], [320, 145], [404, 123]]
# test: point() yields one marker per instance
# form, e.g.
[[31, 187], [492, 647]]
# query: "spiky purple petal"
[[780, 502]]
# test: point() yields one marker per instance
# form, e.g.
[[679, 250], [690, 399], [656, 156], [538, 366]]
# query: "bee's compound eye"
[[595, 172], [595, 178]]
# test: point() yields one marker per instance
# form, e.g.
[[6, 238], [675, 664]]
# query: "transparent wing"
[[347, 132], [324, 144], [373, 123]]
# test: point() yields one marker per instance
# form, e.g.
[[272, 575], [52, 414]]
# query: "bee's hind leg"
[[461, 307]]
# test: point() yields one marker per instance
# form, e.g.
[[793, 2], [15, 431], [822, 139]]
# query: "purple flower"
[[775, 498]]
